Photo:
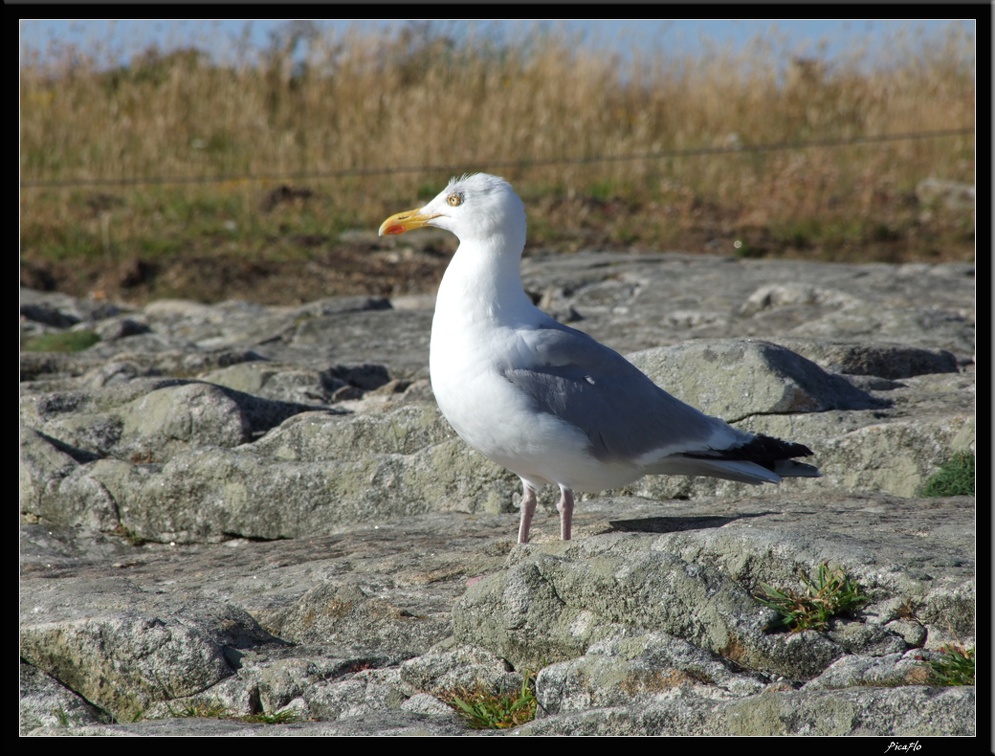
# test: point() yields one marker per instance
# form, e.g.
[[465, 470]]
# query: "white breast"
[[498, 420]]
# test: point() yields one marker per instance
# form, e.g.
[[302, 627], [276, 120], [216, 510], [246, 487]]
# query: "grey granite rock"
[[235, 514], [47, 703], [123, 650], [748, 377], [903, 712]]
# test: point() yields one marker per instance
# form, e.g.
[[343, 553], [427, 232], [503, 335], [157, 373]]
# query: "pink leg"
[[528, 509], [566, 507]]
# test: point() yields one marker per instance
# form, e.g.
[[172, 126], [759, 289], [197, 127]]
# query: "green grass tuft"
[[954, 478], [747, 251], [214, 710], [279, 717], [62, 716], [830, 594], [61, 341], [955, 666], [485, 710], [129, 535]]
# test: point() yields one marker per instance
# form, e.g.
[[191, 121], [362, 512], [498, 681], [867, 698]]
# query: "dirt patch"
[[345, 269]]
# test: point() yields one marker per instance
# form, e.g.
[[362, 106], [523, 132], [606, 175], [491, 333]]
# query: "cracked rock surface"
[[238, 519]]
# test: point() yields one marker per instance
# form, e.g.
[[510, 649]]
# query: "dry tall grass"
[[422, 99]]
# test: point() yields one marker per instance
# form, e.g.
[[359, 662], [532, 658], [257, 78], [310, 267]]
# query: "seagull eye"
[[455, 199]]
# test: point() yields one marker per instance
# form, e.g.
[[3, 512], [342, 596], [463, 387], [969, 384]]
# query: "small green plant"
[[602, 190], [830, 594], [62, 716], [747, 251], [279, 717], [954, 478], [61, 341], [200, 710], [954, 666], [485, 710], [129, 535]]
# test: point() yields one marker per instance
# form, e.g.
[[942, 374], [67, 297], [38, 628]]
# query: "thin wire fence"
[[493, 165]]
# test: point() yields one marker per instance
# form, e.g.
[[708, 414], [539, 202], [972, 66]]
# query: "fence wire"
[[498, 164]]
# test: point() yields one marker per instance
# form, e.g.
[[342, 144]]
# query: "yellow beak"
[[406, 221]]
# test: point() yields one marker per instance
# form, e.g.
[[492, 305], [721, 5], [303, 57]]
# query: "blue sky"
[[827, 38]]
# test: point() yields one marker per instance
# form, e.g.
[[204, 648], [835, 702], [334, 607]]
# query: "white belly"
[[500, 421]]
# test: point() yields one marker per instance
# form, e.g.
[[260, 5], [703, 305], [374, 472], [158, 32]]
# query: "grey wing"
[[623, 413]]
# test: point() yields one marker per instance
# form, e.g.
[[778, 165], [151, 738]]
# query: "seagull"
[[547, 401]]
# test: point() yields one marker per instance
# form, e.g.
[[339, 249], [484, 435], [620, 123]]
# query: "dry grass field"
[[181, 176]]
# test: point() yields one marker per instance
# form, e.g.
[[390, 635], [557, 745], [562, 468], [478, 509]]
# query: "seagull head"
[[475, 207]]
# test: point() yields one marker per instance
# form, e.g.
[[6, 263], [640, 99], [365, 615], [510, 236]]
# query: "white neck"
[[483, 283]]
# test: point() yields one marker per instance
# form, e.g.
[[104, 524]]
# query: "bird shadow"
[[677, 524]]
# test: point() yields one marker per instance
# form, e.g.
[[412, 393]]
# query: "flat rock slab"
[[301, 619]]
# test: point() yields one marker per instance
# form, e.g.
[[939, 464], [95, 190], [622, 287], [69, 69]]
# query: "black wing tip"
[[770, 448], [765, 451]]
